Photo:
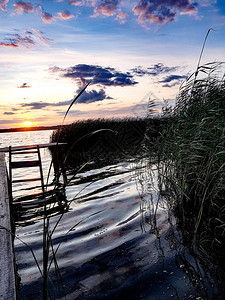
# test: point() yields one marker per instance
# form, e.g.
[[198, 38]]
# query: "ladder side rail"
[[10, 174], [41, 171]]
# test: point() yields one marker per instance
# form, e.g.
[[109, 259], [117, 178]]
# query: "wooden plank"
[[26, 179], [18, 148], [24, 152], [7, 274], [25, 164]]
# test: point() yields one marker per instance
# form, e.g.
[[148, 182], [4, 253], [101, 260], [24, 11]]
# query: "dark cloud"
[[93, 96], [162, 11], [36, 105], [105, 76], [24, 86], [107, 7], [155, 70], [86, 97], [40, 104], [3, 4], [173, 80], [46, 17], [9, 113], [15, 40], [23, 7]]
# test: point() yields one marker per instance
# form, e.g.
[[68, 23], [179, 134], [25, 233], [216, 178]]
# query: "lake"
[[116, 238]]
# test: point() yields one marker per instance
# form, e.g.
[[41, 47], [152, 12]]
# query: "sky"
[[132, 50]]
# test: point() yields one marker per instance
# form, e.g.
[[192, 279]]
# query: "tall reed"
[[191, 150]]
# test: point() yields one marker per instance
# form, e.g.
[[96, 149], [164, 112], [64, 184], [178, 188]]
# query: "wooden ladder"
[[25, 164]]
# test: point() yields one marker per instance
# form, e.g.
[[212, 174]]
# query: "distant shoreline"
[[29, 128]]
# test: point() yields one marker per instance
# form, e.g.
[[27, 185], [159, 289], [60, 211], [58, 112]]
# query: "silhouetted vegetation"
[[191, 151], [102, 140]]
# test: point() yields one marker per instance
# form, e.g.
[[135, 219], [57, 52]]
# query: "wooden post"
[[7, 273]]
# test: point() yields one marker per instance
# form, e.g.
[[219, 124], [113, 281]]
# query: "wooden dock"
[[7, 265], [29, 147], [7, 272]]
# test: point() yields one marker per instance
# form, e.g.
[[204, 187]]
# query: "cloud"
[[65, 15], [23, 7], [24, 86], [3, 4], [93, 96], [106, 8], [86, 97], [36, 105], [155, 70], [40, 36], [122, 17], [9, 121], [27, 40], [82, 73], [15, 40], [8, 45], [162, 11], [75, 2], [46, 17], [173, 80], [9, 113]]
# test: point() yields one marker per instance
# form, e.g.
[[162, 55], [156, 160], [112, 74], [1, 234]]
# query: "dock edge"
[[7, 273]]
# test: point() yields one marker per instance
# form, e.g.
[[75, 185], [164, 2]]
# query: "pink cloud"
[[75, 2], [23, 7], [3, 4], [28, 40], [16, 40], [191, 11], [8, 45], [46, 17], [162, 11], [107, 8], [65, 15], [122, 16], [40, 36]]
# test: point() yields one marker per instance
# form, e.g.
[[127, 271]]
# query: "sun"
[[27, 123]]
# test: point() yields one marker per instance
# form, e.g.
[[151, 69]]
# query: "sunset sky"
[[50, 49]]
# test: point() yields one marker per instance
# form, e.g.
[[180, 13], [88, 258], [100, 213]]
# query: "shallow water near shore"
[[117, 239]]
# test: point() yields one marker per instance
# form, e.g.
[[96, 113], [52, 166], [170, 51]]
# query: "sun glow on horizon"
[[27, 123]]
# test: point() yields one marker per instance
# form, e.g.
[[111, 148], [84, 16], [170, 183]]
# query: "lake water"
[[116, 239]]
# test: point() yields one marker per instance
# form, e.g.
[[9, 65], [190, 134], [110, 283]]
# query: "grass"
[[192, 149]]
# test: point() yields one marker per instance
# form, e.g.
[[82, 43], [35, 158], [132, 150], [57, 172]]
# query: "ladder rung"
[[23, 152], [28, 179], [25, 164]]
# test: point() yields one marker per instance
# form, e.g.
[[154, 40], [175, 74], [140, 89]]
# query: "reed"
[[191, 150], [104, 140]]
